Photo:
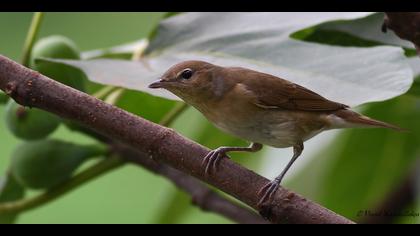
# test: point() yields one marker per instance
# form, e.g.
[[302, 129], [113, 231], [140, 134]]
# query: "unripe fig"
[[57, 46], [10, 190], [46, 163], [29, 123]]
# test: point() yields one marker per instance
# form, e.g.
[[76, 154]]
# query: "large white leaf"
[[261, 41], [127, 48]]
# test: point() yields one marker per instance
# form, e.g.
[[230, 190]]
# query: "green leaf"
[[177, 204], [153, 33], [332, 37], [262, 41], [10, 190], [409, 215], [415, 88], [148, 107], [3, 98], [415, 65], [170, 14]]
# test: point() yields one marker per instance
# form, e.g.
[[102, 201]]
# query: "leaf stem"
[[171, 116], [31, 36], [101, 93], [114, 96], [90, 173]]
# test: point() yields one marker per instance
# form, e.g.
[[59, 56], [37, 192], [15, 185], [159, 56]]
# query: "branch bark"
[[32, 89], [405, 24]]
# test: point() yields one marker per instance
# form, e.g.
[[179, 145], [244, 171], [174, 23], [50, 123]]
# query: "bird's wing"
[[272, 92]]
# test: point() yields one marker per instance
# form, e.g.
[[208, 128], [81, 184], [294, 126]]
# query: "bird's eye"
[[186, 74]]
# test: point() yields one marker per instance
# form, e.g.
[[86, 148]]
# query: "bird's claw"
[[211, 160], [267, 191]]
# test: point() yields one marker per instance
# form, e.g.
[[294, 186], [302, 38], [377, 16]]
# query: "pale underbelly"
[[280, 130]]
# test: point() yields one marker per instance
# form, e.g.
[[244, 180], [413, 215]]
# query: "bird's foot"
[[212, 158], [267, 191]]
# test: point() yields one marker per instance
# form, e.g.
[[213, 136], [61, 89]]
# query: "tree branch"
[[32, 89], [405, 24]]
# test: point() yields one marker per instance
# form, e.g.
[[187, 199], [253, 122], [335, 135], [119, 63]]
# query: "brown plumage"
[[274, 92], [258, 107]]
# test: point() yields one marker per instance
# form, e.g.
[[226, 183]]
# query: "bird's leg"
[[270, 188], [213, 157]]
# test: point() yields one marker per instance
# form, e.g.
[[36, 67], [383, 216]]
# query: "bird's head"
[[189, 80]]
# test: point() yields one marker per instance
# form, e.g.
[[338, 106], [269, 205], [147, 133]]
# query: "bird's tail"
[[354, 119]]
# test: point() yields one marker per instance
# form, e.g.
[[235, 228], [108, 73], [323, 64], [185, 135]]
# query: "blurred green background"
[[355, 171]]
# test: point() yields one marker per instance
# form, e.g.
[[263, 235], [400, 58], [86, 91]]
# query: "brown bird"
[[258, 107]]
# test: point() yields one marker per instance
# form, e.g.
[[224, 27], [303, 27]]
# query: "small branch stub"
[[405, 24]]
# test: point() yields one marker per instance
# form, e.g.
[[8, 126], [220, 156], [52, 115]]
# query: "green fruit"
[[10, 190], [57, 46], [46, 163], [29, 123], [3, 97]]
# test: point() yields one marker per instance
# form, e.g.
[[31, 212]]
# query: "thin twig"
[[173, 114], [31, 36], [30, 88]]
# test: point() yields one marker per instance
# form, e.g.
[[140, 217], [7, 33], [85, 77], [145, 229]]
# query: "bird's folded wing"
[[272, 92]]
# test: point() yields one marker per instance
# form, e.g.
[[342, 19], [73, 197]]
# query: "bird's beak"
[[157, 84]]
